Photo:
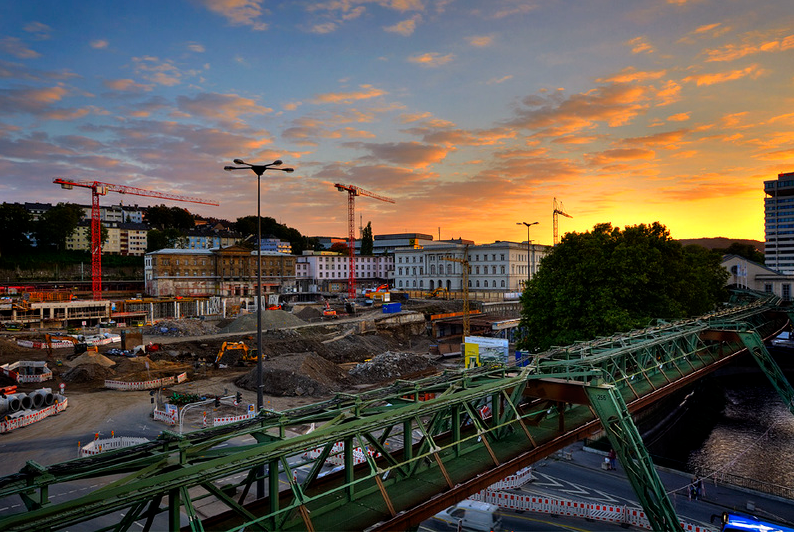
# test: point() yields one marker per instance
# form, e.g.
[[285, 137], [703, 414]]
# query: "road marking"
[[249, 439]]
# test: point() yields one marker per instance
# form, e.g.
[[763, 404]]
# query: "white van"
[[472, 515]]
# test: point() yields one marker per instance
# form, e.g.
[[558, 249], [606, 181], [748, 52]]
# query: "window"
[[485, 283], [503, 269], [478, 283], [478, 269], [503, 257], [767, 288], [503, 283], [786, 292]]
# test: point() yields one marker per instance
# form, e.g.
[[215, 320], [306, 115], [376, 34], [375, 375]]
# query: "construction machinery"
[[440, 292], [79, 346], [465, 263], [249, 355], [328, 311], [353, 192], [558, 210], [383, 288], [101, 188]]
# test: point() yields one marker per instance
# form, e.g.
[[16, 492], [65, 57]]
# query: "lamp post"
[[259, 170], [529, 245]]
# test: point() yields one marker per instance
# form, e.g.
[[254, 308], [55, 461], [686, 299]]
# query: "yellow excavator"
[[249, 355], [79, 346], [438, 293]]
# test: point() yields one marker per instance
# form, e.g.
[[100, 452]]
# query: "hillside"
[[722, 242]]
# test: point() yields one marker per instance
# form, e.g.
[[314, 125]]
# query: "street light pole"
[[259, 170], [529, 246]]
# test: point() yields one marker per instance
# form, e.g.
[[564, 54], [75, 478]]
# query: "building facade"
[[746, 273], [501, 266], [779, 223], [225, 272], [125, 239], [330, 271]]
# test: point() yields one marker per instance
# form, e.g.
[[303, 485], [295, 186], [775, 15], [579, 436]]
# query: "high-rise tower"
[[779, 223]]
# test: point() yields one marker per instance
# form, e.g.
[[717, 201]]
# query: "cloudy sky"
[[472, 115]]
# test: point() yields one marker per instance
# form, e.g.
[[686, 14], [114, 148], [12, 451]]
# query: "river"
[[734, 422]]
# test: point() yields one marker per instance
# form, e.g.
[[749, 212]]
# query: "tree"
[[163, 217], [341, 248], [103, 234], [367, 242], [168, 238], [248, 227], [15, 225], [605, 281], [746, 251], [56, 224]]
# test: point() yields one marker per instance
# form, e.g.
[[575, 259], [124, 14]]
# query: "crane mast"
[[558, 210], [100, 189], [353, 192], [465, 263]]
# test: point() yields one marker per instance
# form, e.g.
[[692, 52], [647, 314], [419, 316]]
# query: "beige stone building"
[[746, 273], [224, 272]]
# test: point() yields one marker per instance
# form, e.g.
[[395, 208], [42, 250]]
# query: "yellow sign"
[[471, 353]]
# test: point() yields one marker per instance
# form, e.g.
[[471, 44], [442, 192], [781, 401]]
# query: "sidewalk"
[[716, 499]]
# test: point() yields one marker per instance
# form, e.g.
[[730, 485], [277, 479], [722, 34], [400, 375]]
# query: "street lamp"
[[259, 170], [529, 245]]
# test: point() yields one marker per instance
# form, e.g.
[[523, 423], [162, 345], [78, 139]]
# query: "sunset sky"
[[471, 115]]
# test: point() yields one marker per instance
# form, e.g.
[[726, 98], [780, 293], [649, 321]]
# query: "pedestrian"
[[698, 489], [613, 459], [693, 490]]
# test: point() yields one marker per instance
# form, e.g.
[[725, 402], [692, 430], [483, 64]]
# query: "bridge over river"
[[409, 450]]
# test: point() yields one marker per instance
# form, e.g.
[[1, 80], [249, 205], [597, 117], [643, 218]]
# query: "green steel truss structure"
[[406, 451]]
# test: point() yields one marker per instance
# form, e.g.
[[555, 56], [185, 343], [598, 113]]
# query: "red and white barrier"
[[337, 455], [32, 416], [148, 384], [11, 370], [567, 507], [517, 480], [102, 445], [165, 416], [219, 421]]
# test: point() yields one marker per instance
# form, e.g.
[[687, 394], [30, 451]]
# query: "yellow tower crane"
[[558, 210]]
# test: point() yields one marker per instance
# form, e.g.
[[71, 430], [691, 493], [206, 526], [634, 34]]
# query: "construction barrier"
[[517, 480], [219, 421], [337, 455], [148, 384], [102, 445], [32, 416], [165, 416], [34, 371], [624, 515]]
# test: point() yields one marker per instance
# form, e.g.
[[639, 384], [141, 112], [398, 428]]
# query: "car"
[[472, 515]]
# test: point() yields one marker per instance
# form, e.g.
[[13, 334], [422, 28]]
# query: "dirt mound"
[[87, 373], [8, 345], [91, 358], [182, 327], [137, 365], [308, 313], [270, 319], [296, 375], [390, 366]]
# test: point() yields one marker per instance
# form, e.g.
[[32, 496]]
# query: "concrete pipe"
[[10, 403], [25, 402], [45, 395]]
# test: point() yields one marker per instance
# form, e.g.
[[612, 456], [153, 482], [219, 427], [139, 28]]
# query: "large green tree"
[[163, 217], [605, 281], [247, 227], [367, 241], [15, 225], [56, 224]]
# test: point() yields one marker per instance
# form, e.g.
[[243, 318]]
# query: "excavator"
[[249, 355], [328, 312], [79, 346], [437, 293]]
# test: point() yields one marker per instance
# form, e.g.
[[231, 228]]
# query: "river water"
[[733, 422]]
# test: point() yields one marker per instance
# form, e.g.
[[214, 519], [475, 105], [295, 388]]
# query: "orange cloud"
[[480, 41], [222, 107], [127, 84], [750, 46], [238, 12], [367, 92], [405, 27], [431, 59], [15, 47], [753, 71], [630, 74], [619, 154], [639, 46], [678, 117]]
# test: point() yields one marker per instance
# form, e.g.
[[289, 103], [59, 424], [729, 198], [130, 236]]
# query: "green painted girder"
[[771, 369], [627, 443]]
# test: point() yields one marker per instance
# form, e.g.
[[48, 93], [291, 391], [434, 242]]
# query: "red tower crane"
[[101, 188], [353, 192]]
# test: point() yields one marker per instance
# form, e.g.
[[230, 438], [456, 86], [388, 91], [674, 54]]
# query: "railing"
[[762, 486]]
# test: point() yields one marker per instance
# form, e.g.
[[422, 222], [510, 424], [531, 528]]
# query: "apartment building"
[[779, 223], [126, 239]]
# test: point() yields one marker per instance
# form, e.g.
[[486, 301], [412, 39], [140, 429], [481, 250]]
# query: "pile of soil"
[[8, 345], [89, 372], [270, 319], [307, 313], [183, 327], [90, 358], [391, 366], [296, 375]]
